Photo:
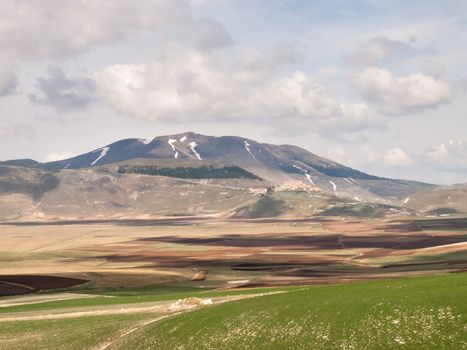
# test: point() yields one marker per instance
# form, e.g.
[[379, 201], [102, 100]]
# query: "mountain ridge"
[[277, 164]]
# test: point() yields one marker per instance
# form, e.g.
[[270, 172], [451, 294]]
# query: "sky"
[[380, 86]]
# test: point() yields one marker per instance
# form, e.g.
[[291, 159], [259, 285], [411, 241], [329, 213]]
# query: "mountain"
[[203, 175], [276, 164]]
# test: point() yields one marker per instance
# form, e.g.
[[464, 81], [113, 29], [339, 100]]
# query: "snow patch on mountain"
[[299, 168], [350, 181], [171, 143], [333, 186], [192, 146], [406, 200], [309, 179], [146, 141], [247, 147], [305, 172], [183, 139], [103, 153]]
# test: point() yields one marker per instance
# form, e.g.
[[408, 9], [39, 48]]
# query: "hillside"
[[31, 194], [148, 191], [443, 200], [372, 315]]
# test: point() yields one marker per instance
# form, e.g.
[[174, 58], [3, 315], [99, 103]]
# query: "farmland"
[[212, 283], [219, 253]]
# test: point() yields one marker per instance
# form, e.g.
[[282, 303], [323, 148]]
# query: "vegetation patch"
[[442, 211], [359, 210], [266, 207], [201, 172]]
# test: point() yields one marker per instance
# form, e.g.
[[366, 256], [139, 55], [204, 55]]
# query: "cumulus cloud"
[[396, 157], [394, 95], [433, 68], [53, 157], [447, 155], [40, 29], [445, 162], [62, 92], [377, 49], [196, 85]]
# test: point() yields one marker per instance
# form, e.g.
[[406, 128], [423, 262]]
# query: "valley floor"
[[235, 284], [225, 253]]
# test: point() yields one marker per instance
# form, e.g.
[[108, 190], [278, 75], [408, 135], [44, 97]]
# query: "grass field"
[[406, 313], [412, 313]]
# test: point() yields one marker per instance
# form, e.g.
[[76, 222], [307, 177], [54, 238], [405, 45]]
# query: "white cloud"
[[40, 29], [433, 68], [52, 157], [240, 83], [438, 153], [445, 162], [394, 95], [377, 49], [396, 157], [33, 30], [451, 154]]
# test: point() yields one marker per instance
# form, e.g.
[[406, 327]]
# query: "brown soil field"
[[40, 256], [22, 284]]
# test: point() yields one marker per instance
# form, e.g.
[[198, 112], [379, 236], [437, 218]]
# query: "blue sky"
[[377, 85]]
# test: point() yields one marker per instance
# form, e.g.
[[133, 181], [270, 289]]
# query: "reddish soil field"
[[23, 284]]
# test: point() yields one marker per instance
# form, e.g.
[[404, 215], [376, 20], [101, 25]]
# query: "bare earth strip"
[[37, 299], [159, 307]]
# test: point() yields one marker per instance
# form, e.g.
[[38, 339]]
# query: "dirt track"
[[165, 307], [127, 332]]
